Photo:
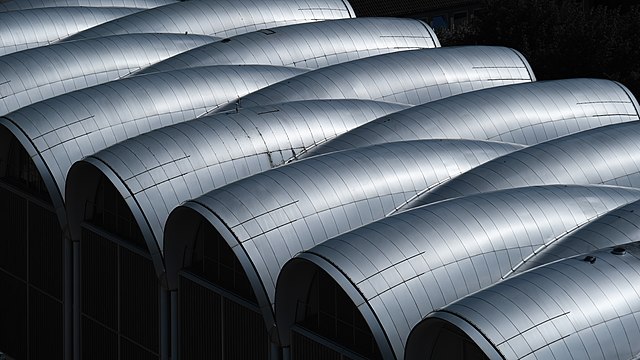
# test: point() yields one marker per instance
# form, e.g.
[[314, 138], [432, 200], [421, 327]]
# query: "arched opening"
[[329, 325], [453, 344], [120, 289], [438, 339], [219, 316], [31, 258]]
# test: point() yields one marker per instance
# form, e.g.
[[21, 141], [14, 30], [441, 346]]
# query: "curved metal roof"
[[26, 76], [269, 217], [619, 226], [577, 308], [527, 114], [31, 28], [59, 131], [13, 5], [310, 45], [606, 155], [158, 170], [407, 77], [222, 18], [399, 269]]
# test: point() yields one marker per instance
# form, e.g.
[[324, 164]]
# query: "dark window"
[[213, 326], [45, 326], [331, 314], [15, 227], [120, 299], [214, 260], [111, 213], [455, 345], [22, 172], [13, 331]]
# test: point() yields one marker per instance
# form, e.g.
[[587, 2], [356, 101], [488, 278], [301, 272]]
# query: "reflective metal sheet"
[[619, 226], [269, 217], [31, 28], [399, 269], [222, 18], [26, 76], [408, 77], [61, 130], [606, 155], [161, 169], [578, 308], [527, 114], [310, 45], [13, 5]]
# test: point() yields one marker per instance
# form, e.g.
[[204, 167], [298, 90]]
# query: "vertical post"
[[67, 297], [274, 353], [286, 353], [165, 322], [174, 325], [76, 299]]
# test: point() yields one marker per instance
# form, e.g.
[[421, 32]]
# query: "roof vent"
[[590, 259], [619, 251]]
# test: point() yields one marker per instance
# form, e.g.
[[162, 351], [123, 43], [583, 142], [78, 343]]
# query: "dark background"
[[560, 39]]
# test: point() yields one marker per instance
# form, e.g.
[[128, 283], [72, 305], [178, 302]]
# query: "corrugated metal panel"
[[526, 114], [399, 269], [18, 30], [165, 167], [222, 18], [269, 217], [577, 308], [607, 155], [408, 77], [26, 76], [310, 45], [13, 5], [68, 127], [619, 226]]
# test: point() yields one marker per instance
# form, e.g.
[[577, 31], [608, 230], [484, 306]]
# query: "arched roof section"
[[399, 269], [18, 29], [310, 45], [158, 170], [607, 155], [26, 76], [408, 77], [617, 227], [222, 18], [13, 5], [527, 114], [584, 307], [60, 131], [269, 217]]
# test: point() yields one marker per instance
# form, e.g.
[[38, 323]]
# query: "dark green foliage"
[[561, 39]]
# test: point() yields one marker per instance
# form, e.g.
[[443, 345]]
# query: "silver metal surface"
[[62, 130], [619, 226], [310, 45], [527, 114], [31, 28], [222, 18], [399, 269], [13, 5], [269, 217], [576, 308], [26, 76], [606, 155], [158, 170], [408, 77]]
